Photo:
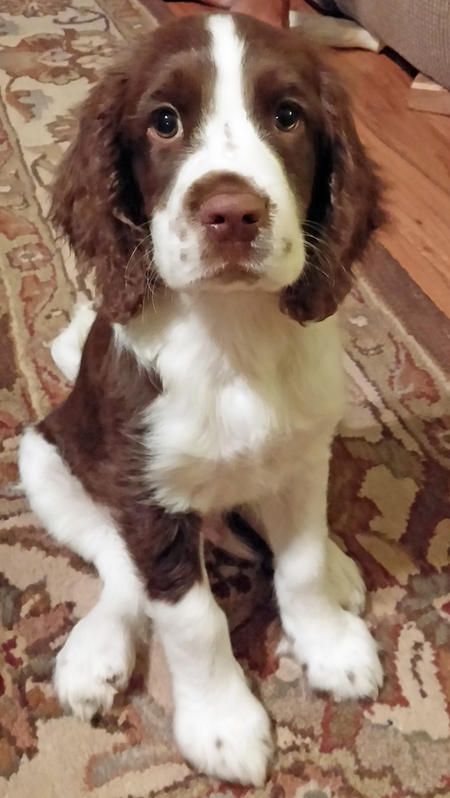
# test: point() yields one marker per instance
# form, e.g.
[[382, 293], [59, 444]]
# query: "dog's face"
[[235, 128], [219, 155]]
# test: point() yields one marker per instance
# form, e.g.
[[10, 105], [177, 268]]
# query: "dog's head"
[[220, 154]]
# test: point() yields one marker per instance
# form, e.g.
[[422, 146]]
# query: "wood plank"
[[413, 152], [379, 89], [418, 233], [426, 95]]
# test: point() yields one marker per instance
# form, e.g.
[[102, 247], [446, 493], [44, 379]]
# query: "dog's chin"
[[227, 277], [227, 273]]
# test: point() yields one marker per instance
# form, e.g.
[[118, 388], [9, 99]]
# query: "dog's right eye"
[[166, 122], [287, 116]]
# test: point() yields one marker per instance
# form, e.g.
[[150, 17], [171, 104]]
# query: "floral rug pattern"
[[389, 505]]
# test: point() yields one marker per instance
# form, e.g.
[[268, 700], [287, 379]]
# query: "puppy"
[[219, 193]]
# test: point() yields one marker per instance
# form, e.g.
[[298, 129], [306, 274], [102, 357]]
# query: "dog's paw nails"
[[227, 736]]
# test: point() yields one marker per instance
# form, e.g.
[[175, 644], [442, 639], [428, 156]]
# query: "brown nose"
[[233, 217]]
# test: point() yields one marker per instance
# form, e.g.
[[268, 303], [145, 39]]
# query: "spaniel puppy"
[[220, 194]]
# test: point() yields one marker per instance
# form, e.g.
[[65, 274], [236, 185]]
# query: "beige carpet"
[[389, 502]]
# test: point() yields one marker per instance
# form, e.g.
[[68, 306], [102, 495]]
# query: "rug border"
[[418, 314]]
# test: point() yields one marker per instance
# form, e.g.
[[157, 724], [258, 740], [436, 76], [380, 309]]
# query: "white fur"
[[344, 584], [66, 349], [344, 580], [98, 656], [243, 396], [251, 158], [95, 662], [219, 725], [334, 644]]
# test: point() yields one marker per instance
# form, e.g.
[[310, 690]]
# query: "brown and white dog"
[[219, 192]]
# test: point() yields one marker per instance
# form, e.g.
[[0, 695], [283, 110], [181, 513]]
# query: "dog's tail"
[[333, 32]]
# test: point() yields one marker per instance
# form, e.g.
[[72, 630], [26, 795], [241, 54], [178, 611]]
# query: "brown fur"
[[344, 211], [110, 179], [97, 431]]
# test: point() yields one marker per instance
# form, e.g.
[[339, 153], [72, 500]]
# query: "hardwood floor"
[[413, 151]]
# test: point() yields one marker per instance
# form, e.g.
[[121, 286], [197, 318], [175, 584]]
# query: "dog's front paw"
[[225, 732], [341, 657], [95, 662]]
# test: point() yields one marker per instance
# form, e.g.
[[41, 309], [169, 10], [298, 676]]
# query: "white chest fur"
[[245, 393]]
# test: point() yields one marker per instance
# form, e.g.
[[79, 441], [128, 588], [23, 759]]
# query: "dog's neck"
[[241, 328]]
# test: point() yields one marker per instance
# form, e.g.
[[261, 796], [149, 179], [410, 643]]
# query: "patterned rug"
[[389, 501]]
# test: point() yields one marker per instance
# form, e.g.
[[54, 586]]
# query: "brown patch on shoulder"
[[98, 431]]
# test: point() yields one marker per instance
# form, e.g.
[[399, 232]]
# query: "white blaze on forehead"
[[228, 140], [230, 117]]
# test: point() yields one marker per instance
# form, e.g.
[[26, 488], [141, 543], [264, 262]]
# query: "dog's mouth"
[[232, 273], [234, 261], [226, 275]]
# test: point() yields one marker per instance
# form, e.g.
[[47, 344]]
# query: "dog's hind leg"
[[98, 656]]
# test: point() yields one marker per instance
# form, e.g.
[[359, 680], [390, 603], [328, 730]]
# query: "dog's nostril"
[[250, 218], [218, 219]]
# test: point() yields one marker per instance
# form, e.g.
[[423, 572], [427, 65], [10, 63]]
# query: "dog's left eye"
[[287, 116], [166, 122]]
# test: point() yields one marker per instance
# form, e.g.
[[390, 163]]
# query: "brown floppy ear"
[[343, 213], [97, 205]]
